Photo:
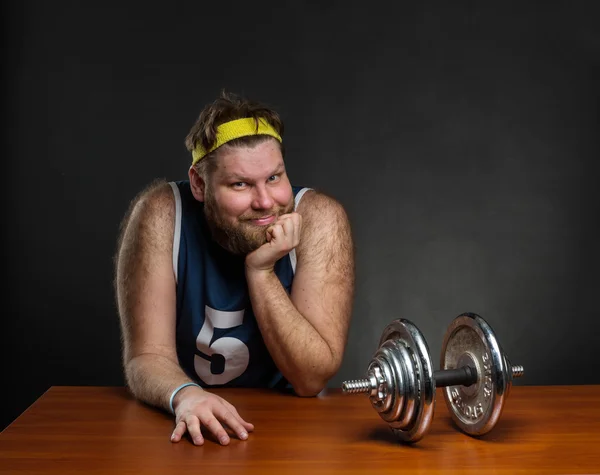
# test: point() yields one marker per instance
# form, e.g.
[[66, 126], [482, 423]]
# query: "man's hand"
[[282, 237], [196, 408]]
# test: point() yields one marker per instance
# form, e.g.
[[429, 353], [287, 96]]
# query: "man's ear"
[[197, 184]]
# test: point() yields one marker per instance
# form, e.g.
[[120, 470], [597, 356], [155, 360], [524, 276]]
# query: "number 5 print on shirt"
[[226, 358]]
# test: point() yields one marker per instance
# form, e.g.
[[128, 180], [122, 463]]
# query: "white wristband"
[[185, 385]]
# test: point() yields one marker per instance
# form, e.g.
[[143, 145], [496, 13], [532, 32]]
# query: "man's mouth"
[[264, 221]]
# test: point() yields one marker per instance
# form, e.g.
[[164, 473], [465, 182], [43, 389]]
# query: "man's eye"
[[239, 184], [273, 177]]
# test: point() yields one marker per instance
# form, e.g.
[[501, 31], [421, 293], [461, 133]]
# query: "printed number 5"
[[228, 357]]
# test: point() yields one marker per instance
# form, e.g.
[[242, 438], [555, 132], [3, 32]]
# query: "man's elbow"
[[309, 388], [313, 384], [131, 372], [136, 370]]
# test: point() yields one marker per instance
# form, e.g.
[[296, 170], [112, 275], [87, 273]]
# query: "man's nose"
[[262, 198]]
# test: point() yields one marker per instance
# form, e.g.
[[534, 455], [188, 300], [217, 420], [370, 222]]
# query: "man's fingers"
[[212, 413], [213, 425], [288, 227], [285, 227], [233, 422], [248, 426], [291, 225], [291, 229], [293, 217], [193, 427], [275, 231], [180, 429]]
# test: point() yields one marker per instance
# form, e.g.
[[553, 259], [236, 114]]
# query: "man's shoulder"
[[316, 203], [157, 195], [323, 216], [147, 227], [153, 206], [325, 228]]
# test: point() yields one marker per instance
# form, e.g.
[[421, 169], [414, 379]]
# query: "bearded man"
[[233, 277]]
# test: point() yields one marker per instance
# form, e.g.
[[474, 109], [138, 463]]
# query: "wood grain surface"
[[92, 430]]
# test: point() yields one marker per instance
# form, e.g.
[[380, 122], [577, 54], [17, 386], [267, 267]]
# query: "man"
[[232, 277]]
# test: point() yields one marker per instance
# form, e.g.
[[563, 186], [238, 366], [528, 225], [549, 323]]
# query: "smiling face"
[[247, 192]]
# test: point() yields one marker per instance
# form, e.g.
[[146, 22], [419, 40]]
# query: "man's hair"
[[225, 108]]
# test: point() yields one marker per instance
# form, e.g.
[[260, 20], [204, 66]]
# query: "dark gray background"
[[461, 137]]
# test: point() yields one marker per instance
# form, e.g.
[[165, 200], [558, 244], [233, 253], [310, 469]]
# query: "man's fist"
[[282, 236]]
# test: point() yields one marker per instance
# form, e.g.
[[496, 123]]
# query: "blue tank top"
[[218, 339]]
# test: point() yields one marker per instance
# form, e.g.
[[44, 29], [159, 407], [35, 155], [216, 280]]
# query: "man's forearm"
[[299, 351], [152, 378]]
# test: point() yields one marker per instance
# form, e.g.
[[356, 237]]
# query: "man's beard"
[[242, 237]]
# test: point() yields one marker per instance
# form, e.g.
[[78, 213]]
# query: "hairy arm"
[[146, 298], [306, 332], [145, 288]]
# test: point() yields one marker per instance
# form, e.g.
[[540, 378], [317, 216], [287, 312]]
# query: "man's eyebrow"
[[235, 176], [279, 168]]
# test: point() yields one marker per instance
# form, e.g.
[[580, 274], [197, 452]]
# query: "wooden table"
[[103, 430]]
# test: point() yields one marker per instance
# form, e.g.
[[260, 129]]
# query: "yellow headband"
[[234, 130]]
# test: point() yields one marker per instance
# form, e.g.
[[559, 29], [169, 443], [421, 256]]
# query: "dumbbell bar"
[[401, 383]]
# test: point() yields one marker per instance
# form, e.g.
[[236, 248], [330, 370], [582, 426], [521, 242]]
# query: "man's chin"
[[241, 249], [243, 244], [252, 245]]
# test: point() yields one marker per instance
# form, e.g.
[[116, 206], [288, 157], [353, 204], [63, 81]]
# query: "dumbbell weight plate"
[[386, 365], [470, 340], [420, 371]]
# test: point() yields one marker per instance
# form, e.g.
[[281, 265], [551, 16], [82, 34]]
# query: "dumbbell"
[[476, 376]]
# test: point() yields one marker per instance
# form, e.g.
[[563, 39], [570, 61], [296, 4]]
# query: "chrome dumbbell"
[[401, 383]]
